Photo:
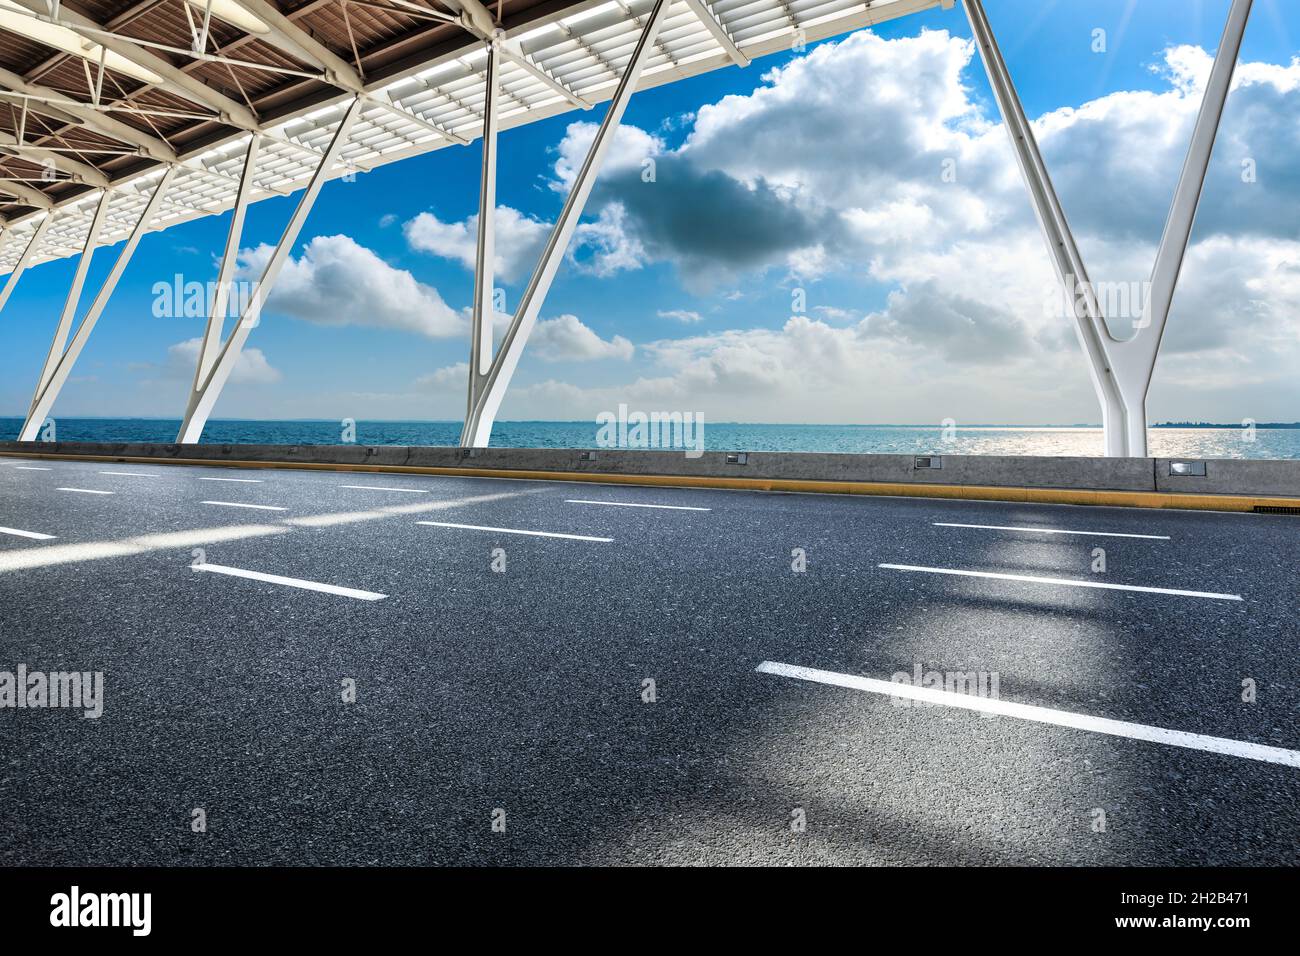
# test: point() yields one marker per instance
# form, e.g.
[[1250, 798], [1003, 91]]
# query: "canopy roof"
[[108, 93]]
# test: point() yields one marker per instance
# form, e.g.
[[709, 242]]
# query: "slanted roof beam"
[[26, 194], [338, 71], [79, 171], [91, 119], [512, 51], [714, 26], [477, 19]]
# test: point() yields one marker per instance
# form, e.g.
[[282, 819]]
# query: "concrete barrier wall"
[[1223, 476], [1229, 476]]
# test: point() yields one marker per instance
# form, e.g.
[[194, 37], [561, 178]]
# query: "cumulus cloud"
[[338, 282], [251, 368], [518, 241], [605, 247], [448, 378], [922, 198], [566, 339], [916, 201], [806, 370], [631, 147]]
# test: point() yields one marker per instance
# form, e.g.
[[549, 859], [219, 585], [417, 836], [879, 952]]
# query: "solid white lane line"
[[409, 491], [1091, 534], [30, 468], [240, 504], [538, 534], [87, 491], [1065, 582], [631, 504], [250, 481], [128, 474], [1042, 715], [290, 582], [34, 535]]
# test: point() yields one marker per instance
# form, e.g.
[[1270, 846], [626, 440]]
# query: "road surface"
[[500, 637]]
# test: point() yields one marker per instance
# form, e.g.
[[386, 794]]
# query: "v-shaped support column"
[[209, 382], [58, 366], [214, 331], [488, 389], [1121, 369]]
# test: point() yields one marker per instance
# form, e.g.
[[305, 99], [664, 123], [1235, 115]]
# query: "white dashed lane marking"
[[34, 535], [537, 534], [1062, 582], [1042, 715], [409, 491], [240, 504], [631, 504], [290, 582], [1091, 534]]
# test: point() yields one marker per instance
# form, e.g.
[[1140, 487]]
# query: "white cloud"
[[962, 254], [251, 368], [680, 315], [566, 339], [951, 320], [604, 247], [448, 378], [631, 147], [518, 240], [337, 282]]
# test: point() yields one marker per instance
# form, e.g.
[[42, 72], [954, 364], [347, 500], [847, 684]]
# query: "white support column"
[[478, 426], [21, 265], [1090, 325], [45, 397], [74, 297], [1121, 370], [480, 362], [1135, 360], [215, 329], [202, 399]]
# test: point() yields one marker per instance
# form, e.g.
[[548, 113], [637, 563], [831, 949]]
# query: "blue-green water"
[[1223, 442]]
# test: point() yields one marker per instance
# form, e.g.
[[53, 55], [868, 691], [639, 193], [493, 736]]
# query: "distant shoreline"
[[522, 421], [1213, 425]]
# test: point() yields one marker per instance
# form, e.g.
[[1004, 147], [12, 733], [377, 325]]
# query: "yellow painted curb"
[[1055, 496]]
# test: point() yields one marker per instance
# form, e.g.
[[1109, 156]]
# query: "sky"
[[832, 235]]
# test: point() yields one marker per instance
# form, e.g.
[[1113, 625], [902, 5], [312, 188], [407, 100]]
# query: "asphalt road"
[[479, 691]]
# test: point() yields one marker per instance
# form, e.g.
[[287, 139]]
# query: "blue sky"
[[817, 171]]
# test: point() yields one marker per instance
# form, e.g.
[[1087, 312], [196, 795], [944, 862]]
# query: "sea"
[[1172, 441]]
